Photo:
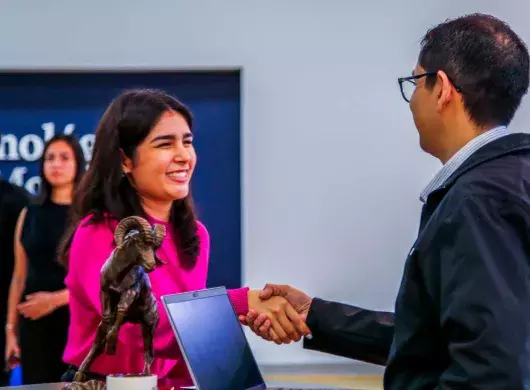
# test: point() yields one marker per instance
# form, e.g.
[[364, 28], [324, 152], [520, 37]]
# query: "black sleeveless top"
[[42, 231]]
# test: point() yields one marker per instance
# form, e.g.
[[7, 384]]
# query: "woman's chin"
[[178, 194]]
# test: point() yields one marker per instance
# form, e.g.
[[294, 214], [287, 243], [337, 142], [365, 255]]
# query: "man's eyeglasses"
[[408, 84]]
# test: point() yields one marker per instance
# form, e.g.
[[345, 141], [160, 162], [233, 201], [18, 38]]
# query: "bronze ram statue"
[[126, 290]]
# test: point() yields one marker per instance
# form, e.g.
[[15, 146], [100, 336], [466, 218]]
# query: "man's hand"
[[261, 324]]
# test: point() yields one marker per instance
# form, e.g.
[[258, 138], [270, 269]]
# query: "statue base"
[[89, 385], [117, 382], [132, 382]]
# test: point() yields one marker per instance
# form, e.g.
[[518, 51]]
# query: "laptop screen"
[[212, 340]]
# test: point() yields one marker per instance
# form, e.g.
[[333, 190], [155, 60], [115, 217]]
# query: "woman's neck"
[[62, 195], [160, 210]]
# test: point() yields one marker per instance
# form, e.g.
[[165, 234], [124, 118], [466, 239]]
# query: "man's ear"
[[446, 91], [126, 163]]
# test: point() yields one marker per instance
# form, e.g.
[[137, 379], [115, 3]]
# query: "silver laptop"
[[212, 341]]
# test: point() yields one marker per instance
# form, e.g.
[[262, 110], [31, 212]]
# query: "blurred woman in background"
[[142, 163], [38, 315]]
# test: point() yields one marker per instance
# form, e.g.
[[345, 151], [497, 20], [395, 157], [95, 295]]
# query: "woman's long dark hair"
[[72, 141], [105, 190]]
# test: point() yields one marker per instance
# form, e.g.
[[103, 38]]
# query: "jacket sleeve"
[[485, 294], [350, 331]]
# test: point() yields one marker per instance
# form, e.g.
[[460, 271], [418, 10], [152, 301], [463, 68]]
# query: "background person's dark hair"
[[106, 190], [486, 59], [45, 186]]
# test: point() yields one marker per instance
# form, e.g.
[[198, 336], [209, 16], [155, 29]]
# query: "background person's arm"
[[18, 283]]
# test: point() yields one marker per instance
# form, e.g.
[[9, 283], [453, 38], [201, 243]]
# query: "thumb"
[[273, 289], [30, 296], [266, 293]]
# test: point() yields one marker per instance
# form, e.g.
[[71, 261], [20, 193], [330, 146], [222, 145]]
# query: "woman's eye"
[[164, 145]]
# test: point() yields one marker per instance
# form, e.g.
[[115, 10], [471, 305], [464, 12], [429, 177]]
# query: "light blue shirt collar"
[[462, 155]]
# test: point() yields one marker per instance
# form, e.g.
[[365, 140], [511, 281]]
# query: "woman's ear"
[[126, 163]]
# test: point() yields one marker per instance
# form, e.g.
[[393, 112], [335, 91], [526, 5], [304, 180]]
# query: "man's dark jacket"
[[462, 314]]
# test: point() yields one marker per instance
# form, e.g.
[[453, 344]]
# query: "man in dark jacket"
[[462, 313], [12, 200]]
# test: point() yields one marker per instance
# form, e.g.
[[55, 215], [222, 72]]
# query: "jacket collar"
[[503, 146]]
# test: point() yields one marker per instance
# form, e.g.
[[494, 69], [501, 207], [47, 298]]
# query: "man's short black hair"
[[485, 59]]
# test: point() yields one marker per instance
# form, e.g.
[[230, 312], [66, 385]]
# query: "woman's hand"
[[286, 324], [12, 352], [37, 305]]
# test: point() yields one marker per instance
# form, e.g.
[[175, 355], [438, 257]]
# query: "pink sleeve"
[[91, 247], [238, 296]]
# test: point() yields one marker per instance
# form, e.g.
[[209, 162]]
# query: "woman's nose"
[[182, 154]]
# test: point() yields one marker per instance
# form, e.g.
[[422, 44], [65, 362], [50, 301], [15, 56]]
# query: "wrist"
[[54, 300], [9, 328], [59, 299]]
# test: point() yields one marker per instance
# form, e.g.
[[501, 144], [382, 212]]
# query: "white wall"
[[331, 164]]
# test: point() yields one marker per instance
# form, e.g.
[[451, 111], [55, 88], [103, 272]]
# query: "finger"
[[288, 326], [278, 328], [24, 307], [35, 315], [298, 321], [243, 320], [262, 318], [251, 317], [30, 296], [258, 323], [28, 312], [274, 337], [265, 328], [266, 293], [275, 289], [25, 314]]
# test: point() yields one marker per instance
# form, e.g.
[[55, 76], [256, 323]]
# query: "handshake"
[[278, 313]]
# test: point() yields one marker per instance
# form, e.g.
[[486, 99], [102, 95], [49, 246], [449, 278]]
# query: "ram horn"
[[129, 223], [159, 232]]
